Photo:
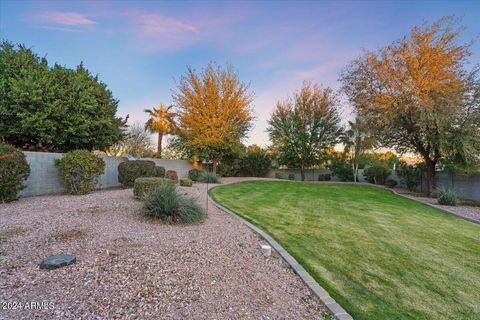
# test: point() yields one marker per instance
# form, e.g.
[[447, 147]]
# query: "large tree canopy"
[[213, 109], [304, 126], [416, 93], [53, 108]]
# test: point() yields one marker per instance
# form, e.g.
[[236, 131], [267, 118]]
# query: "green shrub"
[[390, 183], [410, 175], [447, 196], [377, 173], [340, 167], [185, 182], [172, 175], [80, 171], [159, 172], [167, 204], [209, 177], [225, 169], [328, 177], [291, 176], [194, 174], [256, 162], [128, 171], [321, 177], [143, 186], [14, 170], [279, 175], [231, 161]]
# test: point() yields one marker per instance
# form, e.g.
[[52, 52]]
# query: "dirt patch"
[[11, 232], [67, 235]]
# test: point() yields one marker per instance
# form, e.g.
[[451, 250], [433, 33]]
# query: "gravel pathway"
[[153, 271], [470, 212]]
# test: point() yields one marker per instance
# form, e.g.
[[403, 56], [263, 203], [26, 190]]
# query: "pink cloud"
[[153, 31], [65, 18], [152, 24]]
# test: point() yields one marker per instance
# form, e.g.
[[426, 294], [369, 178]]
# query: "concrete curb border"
[[336, 309]]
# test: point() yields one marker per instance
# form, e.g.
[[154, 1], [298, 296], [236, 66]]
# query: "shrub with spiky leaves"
[[167, 204], [209, 177], [447, 196]]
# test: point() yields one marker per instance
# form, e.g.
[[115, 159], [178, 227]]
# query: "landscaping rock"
[[57, 261]]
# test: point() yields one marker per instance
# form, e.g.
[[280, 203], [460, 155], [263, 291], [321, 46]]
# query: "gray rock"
[[57, 261]]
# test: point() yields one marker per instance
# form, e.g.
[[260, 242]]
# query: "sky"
[[140, 48]]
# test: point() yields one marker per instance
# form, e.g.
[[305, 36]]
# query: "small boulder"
[[57, 261]]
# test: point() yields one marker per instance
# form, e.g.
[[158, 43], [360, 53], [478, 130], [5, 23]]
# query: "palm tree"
[[162, 121]]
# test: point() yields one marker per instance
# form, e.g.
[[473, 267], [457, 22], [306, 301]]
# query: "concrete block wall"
[[467, 186], [312, 174], [44, 180], [43, 177], [109, 178]]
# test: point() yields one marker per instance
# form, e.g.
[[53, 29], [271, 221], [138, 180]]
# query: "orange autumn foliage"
[[410, 92], [214, 109]]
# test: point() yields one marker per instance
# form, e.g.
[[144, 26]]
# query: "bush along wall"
[[14, 170], [128, 171], [194, 174], [80, 171], [172, 175]]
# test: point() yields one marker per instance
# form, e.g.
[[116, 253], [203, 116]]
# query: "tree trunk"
[[355, 172], [430, 174], [302, 171], [159, 144]]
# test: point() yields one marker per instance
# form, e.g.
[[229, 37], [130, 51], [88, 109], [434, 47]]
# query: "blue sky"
[[139, 48]]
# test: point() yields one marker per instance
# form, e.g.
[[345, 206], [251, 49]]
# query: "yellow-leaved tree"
[[214, 111]]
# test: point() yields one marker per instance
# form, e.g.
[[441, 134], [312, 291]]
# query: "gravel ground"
[[461, 210], [154, 271]]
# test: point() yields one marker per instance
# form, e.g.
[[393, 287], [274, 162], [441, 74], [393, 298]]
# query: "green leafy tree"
[[410, 175], [231, 163], [256, 162], [304, 126], [53, 108], [340, 167]]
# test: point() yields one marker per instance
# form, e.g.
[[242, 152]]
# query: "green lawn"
[[379, 255]]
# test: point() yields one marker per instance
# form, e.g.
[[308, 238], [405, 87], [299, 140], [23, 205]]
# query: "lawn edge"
[[434, 206], [403, 196], [336, 309]]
